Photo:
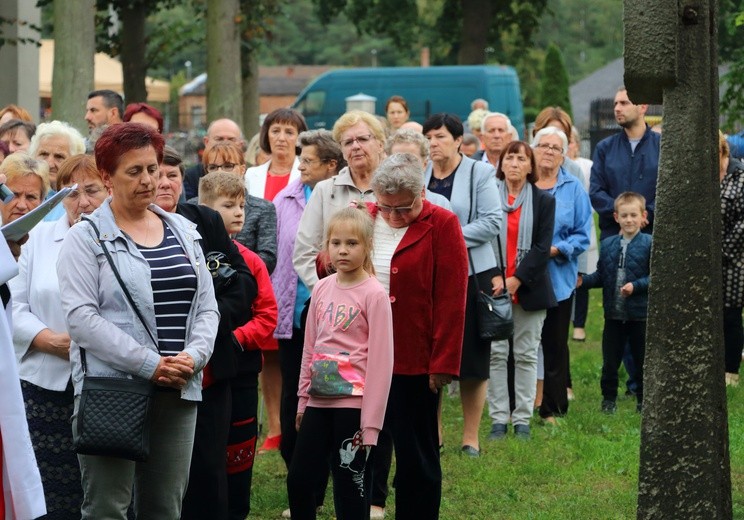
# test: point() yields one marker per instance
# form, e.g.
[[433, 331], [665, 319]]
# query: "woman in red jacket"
[[421, 260]]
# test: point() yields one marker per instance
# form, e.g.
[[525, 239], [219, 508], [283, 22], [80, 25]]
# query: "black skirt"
[[476, 352]]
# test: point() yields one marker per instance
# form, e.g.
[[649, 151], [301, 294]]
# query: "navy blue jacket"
[[637, 269], [616, 169]]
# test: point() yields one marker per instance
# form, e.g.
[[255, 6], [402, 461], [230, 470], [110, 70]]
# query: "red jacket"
[[428, 286], [259, 331]]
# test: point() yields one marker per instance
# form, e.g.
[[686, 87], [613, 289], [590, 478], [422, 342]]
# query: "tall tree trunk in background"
[[476, 21], [133, 64], [224, 92], [251, 108], [74, 47]]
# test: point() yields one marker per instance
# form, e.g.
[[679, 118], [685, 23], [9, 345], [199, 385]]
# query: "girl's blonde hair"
[[362, 225]]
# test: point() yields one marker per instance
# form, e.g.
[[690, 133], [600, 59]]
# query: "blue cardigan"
[[637, 269]]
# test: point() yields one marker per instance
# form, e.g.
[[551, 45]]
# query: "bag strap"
[[470, 209], [123, 288]]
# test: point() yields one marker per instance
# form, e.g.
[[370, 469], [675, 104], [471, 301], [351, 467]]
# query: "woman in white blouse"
[[42, 343]]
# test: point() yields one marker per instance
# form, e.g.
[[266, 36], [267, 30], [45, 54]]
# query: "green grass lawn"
[[586, 468]]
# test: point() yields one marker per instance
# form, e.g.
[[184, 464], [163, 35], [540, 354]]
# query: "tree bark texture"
[[224, 92], [251, 109], [74, 48], [684, 461], [133, 62], [476, 22]]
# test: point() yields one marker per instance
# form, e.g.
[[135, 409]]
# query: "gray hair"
[[76, 143], [325, 146], [490, 115], [479, 101], [399, 172], [550, 130], [404, 136]]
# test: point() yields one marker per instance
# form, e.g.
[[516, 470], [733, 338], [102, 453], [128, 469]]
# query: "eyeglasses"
[[400, 210], [91, 192], [306, 161], [361, 139], [225, 167], [550, 147]]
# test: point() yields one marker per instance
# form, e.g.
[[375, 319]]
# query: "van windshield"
[[312, 104]]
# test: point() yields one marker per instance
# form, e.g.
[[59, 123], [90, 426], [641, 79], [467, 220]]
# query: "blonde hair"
[[723, 147], [20, 164], [363, 227], [220, 184], [353, 117], [630, 197]]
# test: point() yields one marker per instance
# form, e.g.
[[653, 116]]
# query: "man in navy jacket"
[[626, 161]]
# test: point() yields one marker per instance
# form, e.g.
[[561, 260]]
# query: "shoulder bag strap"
[[123, 288]]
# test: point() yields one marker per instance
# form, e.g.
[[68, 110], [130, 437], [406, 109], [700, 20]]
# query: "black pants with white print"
[[334, 432]]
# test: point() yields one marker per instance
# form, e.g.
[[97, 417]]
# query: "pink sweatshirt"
[[348, 352]]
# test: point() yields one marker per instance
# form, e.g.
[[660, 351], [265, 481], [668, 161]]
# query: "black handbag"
[[493, 313], [113, 412], [223, 275]]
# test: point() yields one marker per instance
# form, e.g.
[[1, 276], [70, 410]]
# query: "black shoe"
[[522, 431], [470, 451], [498, 431], [639, 407], [608, 406]]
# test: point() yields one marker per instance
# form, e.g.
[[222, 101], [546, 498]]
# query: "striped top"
[[174, 289]]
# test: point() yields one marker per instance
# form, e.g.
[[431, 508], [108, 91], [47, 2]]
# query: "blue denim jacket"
[[100, 319], [573, 214]]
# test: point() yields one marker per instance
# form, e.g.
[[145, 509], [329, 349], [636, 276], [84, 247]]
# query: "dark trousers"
[[290, 361], [412, 420], [324, 433], [241, 448], [206, 494], [581, 307], [733, 338], [383, 461], [554, 341], [614, 337]]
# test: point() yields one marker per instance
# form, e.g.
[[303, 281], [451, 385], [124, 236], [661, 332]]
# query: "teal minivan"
[[427, 90]]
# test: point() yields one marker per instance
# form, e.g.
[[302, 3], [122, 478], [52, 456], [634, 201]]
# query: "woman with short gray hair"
[[415, 142], [326, 148], [420, 257]]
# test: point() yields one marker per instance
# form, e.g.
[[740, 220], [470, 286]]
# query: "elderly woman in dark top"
[[471, 188], [161, 264], [732, 214], [525, 239]]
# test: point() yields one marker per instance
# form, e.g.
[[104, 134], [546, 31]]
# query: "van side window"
[[312, 105]]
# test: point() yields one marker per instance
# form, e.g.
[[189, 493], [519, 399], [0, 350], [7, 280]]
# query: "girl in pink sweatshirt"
[[347, 366]]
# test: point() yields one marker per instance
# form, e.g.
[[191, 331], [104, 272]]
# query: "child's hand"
[[298, 421], [579, 281], [626, 290]]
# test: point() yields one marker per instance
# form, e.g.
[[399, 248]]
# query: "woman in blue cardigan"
[[573, 213]]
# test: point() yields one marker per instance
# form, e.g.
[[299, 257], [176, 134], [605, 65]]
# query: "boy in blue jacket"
[[623, 273]]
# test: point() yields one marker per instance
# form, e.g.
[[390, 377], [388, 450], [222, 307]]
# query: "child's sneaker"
[[608, 406]]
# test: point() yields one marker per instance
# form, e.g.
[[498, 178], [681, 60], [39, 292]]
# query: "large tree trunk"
[[224, 92], [684, 460], [251, 108], [133, 63], [74, 47], [476, 21]]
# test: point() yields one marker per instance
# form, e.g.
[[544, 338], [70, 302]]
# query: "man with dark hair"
[[104, 107]]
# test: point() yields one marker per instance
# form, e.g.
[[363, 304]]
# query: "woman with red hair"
[[145, 114]]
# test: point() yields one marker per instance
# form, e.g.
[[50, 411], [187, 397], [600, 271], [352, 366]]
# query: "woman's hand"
[[298, 421], [54, 343], [15, 246], [497, 284], [174, 371], [437, 381], [554, 251], [512, 284]]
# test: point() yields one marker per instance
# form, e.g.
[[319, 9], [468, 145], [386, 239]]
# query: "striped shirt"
[[173, 287]]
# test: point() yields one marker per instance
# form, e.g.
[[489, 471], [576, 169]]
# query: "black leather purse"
[[113, 413], [223, 275]]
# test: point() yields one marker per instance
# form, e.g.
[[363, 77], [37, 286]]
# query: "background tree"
[[554, 81], [224, 87], [72, 79]]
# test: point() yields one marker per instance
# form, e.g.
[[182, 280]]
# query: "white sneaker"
[[376, 513], [287, 513]]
